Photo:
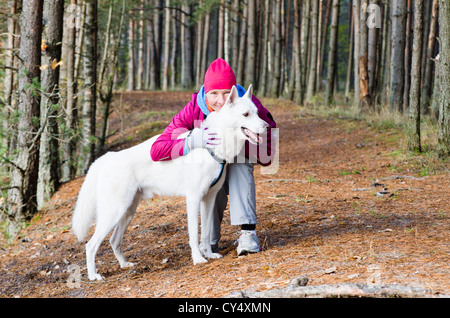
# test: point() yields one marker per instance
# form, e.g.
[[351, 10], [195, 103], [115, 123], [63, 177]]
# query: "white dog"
[[117, 181]]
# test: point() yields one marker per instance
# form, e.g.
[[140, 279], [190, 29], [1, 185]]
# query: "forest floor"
[[345, 204]]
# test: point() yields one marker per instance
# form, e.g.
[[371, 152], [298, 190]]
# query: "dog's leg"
[[192, 206], [103, 228], [119, 231], [206, 212]]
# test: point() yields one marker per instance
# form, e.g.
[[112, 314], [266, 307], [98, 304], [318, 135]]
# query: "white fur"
[[117, 181]]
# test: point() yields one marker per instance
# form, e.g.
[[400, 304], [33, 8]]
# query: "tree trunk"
[[9, 79], [444, 79], [166, 47], [154, 79], [387, 41], [22, 195], [429, 63], [350, 56], [106, 95], [187, 63], [416, 71], [310, 91], [363, 56], [235, 37], [297, 56], [372, 52], [356, 33], [131, 64], [141, 39], [71, 112], [198, 48], [306, 17], [220, 33], [205, 48], [276, 57], [174, 51], [265, 47], [343, 290], [49, 172], [323, 31], [407, 62], [397, 85], [227, 35], [332, 55], [250, 63], [90, 86], [242, 45]]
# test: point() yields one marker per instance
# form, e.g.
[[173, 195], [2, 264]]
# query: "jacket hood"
[[201, 98]]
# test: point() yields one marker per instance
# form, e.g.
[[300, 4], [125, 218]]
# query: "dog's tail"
[[84, 214]]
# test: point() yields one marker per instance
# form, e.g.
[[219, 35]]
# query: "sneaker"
[[215, 248], [248, 243]]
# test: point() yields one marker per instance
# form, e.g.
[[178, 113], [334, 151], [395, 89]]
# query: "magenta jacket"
[[167, 146]]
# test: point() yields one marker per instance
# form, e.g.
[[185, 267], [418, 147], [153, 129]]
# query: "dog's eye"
[[246, 114]]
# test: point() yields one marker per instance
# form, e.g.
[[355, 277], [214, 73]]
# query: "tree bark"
[[408, 33], [444, 79], [220, 33], [89, 108], [372, 59], [397, 84], [356, 47], [131, 59], [311, 87], [323, 31], [265, 47], [106, 93], [49, 172], [140, 63], [429, 63], [174, 51], [9, 80], [199, 45], [332, 55], [22, 195], [235, 37], [250, 64], [363, 56], [205, 48], [416, 71], [350, 57], [344, 290], [276, 57], [297, 56], [71, 110], [166, 46], [306, 17], [242, 47], [187, 63]]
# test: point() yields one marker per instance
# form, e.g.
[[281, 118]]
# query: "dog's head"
[[243, 115]]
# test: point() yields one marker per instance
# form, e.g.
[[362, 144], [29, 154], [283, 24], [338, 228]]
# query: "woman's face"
[[217, 98]]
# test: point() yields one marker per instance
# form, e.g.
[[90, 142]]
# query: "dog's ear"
[[249, 92], [233, 97]]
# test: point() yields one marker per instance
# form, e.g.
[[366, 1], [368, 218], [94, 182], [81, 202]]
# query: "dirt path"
[[323, 215]]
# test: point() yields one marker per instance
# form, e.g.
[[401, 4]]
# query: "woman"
[[239, 183]]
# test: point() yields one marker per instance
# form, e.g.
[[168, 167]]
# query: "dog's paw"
[[127, 265], [215, 255], [96, 276], [199, 260]]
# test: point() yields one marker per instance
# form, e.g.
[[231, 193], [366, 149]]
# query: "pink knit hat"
[[219, 76]]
